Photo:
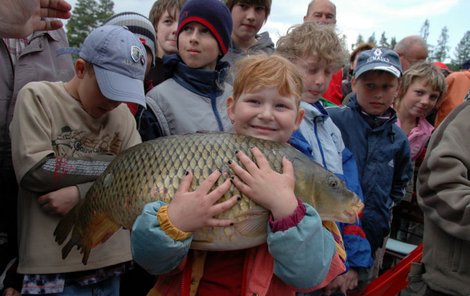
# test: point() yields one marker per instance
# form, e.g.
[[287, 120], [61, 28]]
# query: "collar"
[[206, 83]]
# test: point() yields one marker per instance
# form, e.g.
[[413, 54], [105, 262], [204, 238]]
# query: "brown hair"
[[267, 70], [311, 39], [159, 8], [266, 3]]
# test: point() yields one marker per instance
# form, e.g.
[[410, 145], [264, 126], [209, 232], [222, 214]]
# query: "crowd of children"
[[199, 66]]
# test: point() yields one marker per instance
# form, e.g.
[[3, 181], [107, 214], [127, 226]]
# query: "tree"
[[359, 41], [462, 50], [105, 11], [383, 41], [424, 32], [393, 42], [87, 15], [372, 39], [441, 49]]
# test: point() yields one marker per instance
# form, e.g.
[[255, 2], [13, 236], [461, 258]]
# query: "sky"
[[397, 18]]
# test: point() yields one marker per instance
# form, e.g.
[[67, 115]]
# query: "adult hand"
[[11, 292], [19, 18], [191, 210], [343, 283], [272, 190], [61, 201]]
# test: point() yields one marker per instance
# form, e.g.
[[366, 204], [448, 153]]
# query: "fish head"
[[326, 192]]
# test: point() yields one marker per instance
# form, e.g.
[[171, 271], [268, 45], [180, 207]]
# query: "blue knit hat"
[[214, 15]]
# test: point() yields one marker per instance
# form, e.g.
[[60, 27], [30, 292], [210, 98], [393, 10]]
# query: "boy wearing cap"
[[194, 98], [379, 146], [63, 136]]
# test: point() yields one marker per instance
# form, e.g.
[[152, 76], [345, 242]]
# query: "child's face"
[[419, 99], [375, 91], [198, 47], [316, 76], [264, 113], [166, 33], [91, 98], [247, 20]]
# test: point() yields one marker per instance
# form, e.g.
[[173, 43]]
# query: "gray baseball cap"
[[119, 62], [383, 59]]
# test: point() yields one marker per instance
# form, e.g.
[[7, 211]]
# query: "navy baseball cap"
[[383, 59], [119, 62]]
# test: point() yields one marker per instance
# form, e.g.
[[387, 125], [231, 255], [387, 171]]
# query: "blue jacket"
[[382, 155], [320, 139]]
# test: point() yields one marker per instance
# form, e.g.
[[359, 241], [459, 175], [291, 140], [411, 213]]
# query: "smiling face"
[[316, 76], [264, 113], [198, 47], [166, 33], [375, 91], [247, 21], [419, 99]]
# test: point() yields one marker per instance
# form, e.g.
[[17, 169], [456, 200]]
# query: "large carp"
[[153, 170]]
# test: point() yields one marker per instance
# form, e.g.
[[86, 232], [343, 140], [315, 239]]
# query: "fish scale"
[[153, 171]]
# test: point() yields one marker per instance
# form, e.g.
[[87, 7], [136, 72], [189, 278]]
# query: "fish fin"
[[99, 229], [66, 224], [253, 225]]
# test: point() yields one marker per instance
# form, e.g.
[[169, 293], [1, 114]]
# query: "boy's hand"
[[61, 201], [190, 211], [266, 187]]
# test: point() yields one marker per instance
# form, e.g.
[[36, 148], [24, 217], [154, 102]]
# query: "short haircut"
[[311, 39], [159, 8], [262, 70], [407, 43], [426, 71], [313, 2], [360, 48], [266, 3]]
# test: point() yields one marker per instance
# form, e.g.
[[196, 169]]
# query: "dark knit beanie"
[[139, 25], [214, 15]]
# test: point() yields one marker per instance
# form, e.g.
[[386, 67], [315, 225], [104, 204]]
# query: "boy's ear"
[[80, 68], [300, 116], [230, 107], [353, 84]]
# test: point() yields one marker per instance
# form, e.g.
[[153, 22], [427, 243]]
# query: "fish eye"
[[332, 182]]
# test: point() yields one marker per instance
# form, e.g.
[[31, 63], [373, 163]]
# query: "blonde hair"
[[262, 70], [430, 74], [311, 39], [159, 8]]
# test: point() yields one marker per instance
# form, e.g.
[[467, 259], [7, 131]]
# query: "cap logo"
[[135, 53], [377, 57]]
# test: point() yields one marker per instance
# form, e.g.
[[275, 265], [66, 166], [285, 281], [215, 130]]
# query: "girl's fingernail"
[[239, 198], [186, 173], [229, 162], [236, 151]]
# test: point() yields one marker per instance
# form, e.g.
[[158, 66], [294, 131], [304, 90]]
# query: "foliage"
[[383, 41], [372, 39], [87, 15], [462, 50], [441, 50], [424, 32]]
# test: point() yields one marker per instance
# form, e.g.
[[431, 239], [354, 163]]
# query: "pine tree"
[[424, 32], [87, 15], [393, 42], [462, 50], [105, 11], [372, 39], [383, 41], [440, 51], [359, 41]]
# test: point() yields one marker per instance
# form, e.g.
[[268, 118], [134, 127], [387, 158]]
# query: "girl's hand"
[[266, 187], [189, 211], [61, 201]]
